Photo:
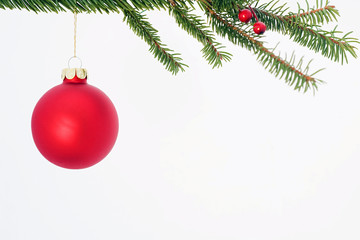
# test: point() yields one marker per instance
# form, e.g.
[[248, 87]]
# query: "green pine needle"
[[303, 26]]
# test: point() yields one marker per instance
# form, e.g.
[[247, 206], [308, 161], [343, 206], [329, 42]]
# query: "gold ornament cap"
[[70, 73]]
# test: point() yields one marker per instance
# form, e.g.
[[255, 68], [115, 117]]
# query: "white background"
[[225, 154]]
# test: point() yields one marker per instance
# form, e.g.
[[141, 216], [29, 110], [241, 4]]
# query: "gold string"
[[75, 26]]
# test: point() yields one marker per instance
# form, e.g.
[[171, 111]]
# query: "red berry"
[[245, 15], [259, 28]]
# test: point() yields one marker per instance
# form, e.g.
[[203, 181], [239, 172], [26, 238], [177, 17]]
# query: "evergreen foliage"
[[302, 26]]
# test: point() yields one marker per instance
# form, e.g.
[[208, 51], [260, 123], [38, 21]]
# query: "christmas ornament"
[[74, 125], [259, 28], [245, 15]]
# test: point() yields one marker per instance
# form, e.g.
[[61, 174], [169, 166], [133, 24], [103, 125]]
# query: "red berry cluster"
[[246, 15]]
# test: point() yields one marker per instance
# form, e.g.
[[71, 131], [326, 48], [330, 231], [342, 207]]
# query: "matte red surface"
[[74, 125], [259, 28], [245, 15]]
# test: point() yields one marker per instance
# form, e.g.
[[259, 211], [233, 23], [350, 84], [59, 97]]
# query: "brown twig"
[[310, 12], [289, 20], [172, 2]]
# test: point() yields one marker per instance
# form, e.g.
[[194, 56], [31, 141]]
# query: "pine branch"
[[196, 27], [60, 5], [137, 22], [325, 42], [315, 16], [148, 4], [85, 5], [303, 27], [272, 62], [223, 5]]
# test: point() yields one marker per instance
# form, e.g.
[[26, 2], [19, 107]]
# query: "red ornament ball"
[[245, 15], [259, 28], [74, 125]]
